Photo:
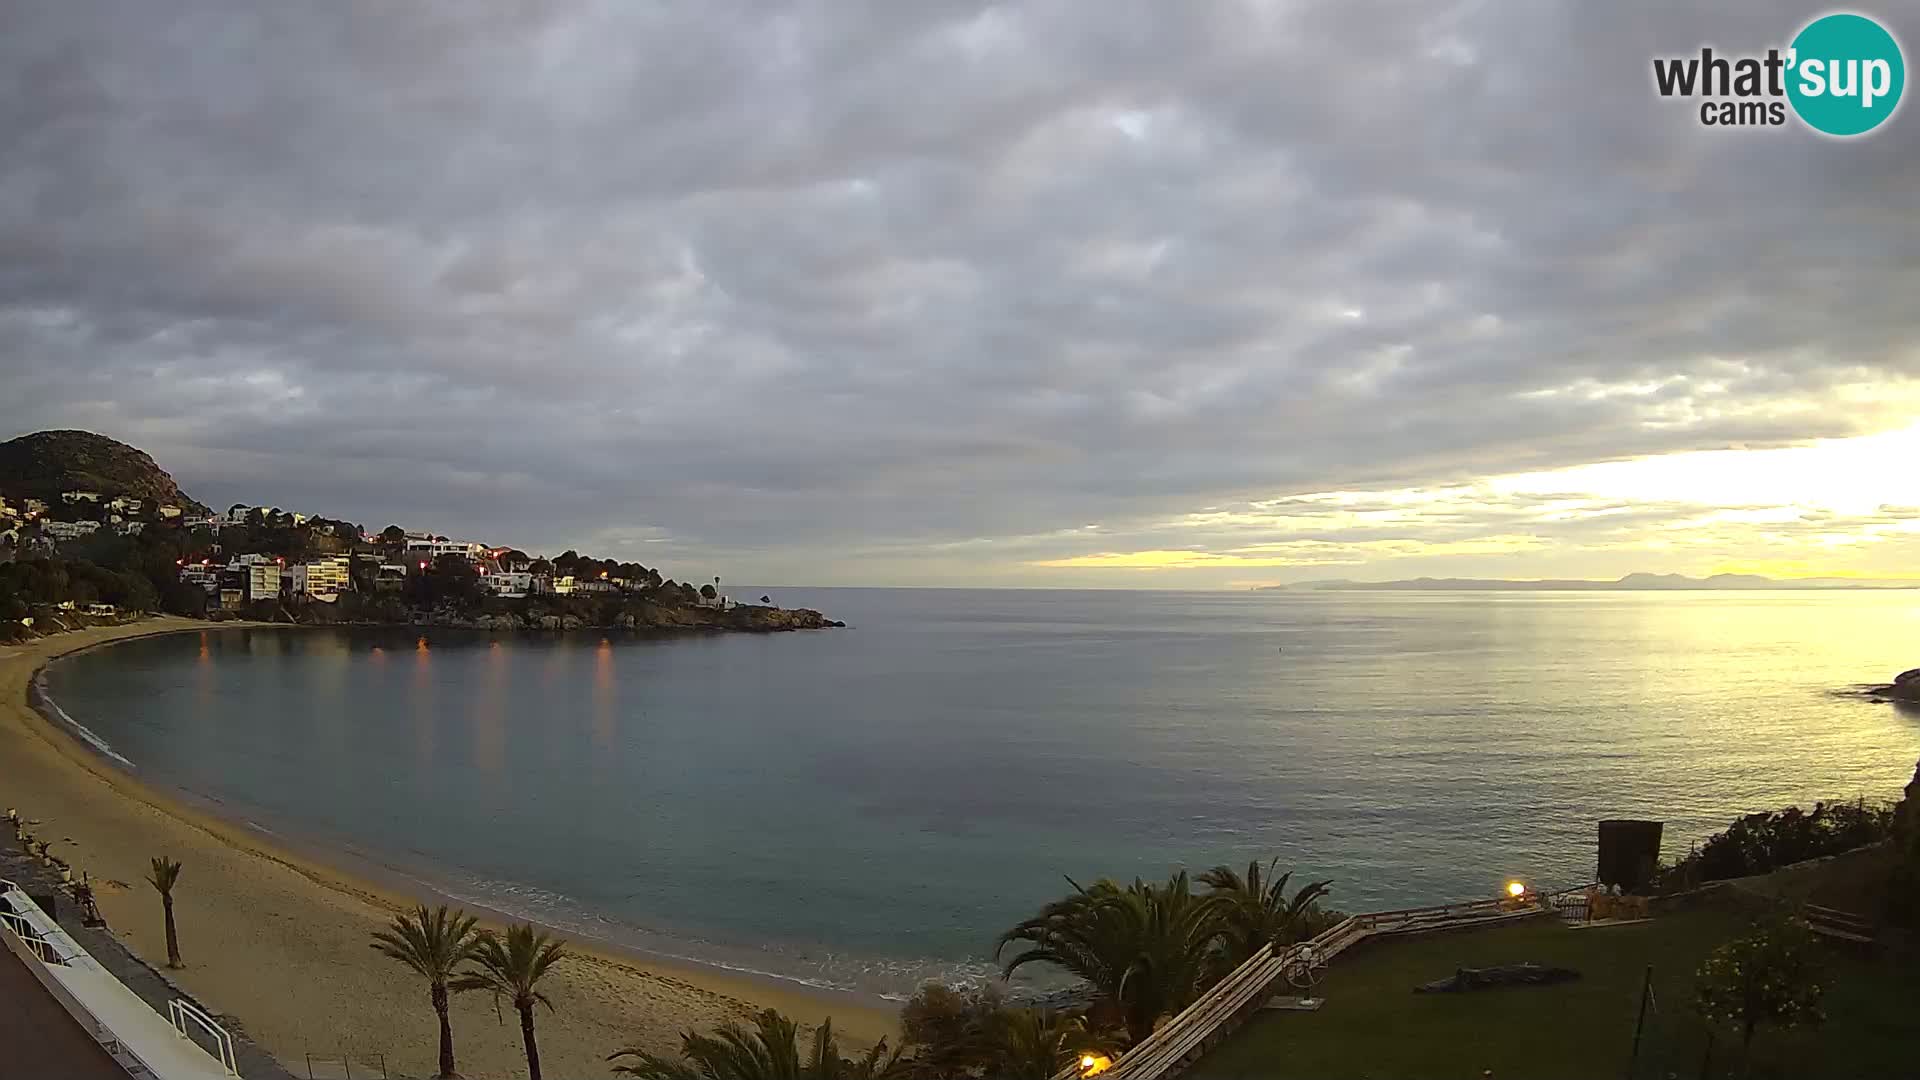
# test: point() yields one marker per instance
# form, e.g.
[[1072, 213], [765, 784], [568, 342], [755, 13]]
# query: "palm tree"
[[1147, 950], [1034, 1044], [1258, 911], [512, 971], [162, 877], [769, 1052], [434, 943]]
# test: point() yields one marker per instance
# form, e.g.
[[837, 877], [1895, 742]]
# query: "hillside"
[[46, 463]]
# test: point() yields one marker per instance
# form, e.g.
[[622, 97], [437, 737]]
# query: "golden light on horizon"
[[1836, 507]]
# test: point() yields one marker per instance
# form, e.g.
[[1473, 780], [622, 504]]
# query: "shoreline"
[[302, 975]]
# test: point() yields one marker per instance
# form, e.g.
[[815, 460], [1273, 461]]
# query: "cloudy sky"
[[1118, 293]]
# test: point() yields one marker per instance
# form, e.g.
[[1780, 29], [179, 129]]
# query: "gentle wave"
[[833, 972], [79, 729]]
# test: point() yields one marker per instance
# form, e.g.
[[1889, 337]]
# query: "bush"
[[1759, 843], [1766, 979], [950, 1031]]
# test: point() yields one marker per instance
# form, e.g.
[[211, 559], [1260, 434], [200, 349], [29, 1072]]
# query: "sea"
[[867, 809]]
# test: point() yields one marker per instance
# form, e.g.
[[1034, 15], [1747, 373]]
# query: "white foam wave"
[[83, 731], [890, 980]]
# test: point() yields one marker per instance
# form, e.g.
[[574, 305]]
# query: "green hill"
[[46, 463]]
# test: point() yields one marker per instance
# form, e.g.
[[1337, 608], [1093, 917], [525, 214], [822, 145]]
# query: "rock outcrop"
[[1904, 687]]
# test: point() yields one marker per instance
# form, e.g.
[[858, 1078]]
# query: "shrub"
[[1766, 979], [1758, 843]]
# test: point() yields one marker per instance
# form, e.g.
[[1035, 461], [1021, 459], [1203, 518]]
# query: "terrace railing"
[[183, 1012]]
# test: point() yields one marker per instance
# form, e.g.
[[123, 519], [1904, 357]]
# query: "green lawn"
[[1374, 1026]]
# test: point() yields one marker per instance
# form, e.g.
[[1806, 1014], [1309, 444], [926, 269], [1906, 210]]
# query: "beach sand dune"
[[278, 943]]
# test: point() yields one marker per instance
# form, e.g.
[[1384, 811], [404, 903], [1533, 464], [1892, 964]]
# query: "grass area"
[[1374, 1026]]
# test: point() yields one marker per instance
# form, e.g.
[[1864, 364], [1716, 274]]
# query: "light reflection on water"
[[872, 806]]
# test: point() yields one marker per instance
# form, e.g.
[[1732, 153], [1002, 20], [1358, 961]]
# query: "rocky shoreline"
[[1904, 687], [646, 616]]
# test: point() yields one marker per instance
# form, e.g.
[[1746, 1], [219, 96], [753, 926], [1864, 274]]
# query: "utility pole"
[[1646, 995]]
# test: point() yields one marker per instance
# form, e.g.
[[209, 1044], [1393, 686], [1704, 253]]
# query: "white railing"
[[46, 951], [124, 1025], [180, 1010]]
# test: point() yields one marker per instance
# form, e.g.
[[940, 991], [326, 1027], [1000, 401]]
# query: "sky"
[[1118, 293]]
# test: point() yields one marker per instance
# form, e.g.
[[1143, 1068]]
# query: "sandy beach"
[[278, 942]]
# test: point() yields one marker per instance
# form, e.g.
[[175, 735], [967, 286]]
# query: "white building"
[[507, 583], [255, 577], [203, 573], [70, 530], [430, 548], [123, 504], [168, 512], [71, 497], [322, 579]]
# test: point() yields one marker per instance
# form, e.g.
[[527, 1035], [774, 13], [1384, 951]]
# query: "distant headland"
[[90, 526], [1639, 582]]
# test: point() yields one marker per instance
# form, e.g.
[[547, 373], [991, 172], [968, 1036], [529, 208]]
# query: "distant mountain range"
[[1630, 583]]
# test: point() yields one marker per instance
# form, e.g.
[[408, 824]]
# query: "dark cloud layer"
[[918, 291]]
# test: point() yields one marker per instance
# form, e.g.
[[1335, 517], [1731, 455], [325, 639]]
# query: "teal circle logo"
[[1845, 75]]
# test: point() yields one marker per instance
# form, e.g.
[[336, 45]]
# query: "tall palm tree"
[[433, 942], [162, 877], [1147, 950], [1258, 911], [769, 1052], [512, 971]]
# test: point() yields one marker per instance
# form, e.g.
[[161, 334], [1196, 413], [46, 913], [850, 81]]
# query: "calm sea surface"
[[867, 808]]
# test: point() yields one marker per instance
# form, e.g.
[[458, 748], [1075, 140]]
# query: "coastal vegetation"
[[163, 876], [1257, 910], [1761, 842], [1147, 951], [963, 1033], [434, 943], [513, 970], [771, 1051]]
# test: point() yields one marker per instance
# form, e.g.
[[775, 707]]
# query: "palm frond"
[[432, 941], [164, 874]]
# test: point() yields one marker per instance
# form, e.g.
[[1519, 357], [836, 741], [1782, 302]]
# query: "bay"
[[867, 808]]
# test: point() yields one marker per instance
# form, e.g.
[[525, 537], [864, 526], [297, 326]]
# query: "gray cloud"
[[882, 291]]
